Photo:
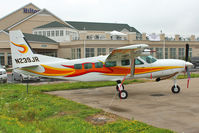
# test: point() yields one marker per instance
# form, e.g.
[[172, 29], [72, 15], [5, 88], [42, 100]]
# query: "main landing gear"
[[175, 88], [120, 89]]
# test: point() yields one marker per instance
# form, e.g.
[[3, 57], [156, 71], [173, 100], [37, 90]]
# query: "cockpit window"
[[149, 59], [138, 62]]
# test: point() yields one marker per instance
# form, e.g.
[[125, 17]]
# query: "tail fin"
[[22, 55]]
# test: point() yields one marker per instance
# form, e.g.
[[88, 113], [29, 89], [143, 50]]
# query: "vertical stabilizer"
[[22, 54]]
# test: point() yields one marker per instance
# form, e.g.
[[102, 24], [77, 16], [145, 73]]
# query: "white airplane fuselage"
[[64, 69]]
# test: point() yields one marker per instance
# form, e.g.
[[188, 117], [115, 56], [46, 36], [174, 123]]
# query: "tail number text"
[[27, 60]]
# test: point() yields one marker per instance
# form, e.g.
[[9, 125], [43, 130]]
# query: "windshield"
[[149, 59]]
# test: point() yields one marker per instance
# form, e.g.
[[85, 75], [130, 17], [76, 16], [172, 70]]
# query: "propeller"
[[187, 64]]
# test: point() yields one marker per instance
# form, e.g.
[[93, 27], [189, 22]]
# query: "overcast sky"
[[150, 16]]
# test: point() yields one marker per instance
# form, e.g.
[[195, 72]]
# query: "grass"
[[84, 85], [184, 76], [37, 112]]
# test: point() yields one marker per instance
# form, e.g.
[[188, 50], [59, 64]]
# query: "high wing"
[[127, 52]]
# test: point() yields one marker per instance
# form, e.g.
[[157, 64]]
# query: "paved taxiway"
[[151, 102]]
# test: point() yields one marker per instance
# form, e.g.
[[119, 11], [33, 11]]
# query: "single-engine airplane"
[[133, 61]]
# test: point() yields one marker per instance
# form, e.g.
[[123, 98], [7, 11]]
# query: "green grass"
[[184, 76], [83, 85], [37, 112]]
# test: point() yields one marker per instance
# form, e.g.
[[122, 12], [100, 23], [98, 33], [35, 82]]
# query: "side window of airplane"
[[125, 62], [110, 63], [138, 62], [78, 66], [88, 66], [98, 65]]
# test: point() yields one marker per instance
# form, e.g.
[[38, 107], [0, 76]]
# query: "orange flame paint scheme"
[[109, 71], [25, 48]]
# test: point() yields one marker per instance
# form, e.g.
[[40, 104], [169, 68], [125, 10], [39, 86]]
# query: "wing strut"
[[132, 63]]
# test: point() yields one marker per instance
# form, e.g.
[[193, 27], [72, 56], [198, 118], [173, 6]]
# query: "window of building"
[[48, 33], [76, 53], [73, 53], [52, 33], [44, 33], [57, 32], [101, 51], [98, 65], [125, 62], [102, 37], [97, 37], [90, 52], [181, 53], [88, 66], [78, 66], [9, 59], [151, 53], [39, 33], [61, 33], [35, 33], [159, 53], [67, 33], [190, 52], [110, 63], [89, 37], [111, 49], [173, 53], [166, 53], [2, 61]]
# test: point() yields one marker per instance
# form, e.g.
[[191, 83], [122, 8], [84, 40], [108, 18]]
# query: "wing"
[[127, 52]]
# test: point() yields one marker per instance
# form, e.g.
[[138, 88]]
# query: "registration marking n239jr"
[[26, 60]]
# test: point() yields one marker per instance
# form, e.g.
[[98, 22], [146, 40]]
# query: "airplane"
[[133, 61]]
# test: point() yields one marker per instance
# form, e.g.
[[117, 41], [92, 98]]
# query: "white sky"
[[150, 16]]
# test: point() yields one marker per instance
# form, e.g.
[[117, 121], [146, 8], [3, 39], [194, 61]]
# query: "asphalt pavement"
[[151, 102]]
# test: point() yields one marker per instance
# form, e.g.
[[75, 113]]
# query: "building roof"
[[38, 38], [101, 26], [43, 10], [20, 9], [53, 24]]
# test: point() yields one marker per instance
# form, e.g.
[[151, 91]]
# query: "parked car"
[[3, 75], [19, 76], [195, 61]]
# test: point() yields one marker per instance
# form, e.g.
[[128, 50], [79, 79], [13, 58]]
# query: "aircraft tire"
[[123, 94], [117, 88], [175, 90]]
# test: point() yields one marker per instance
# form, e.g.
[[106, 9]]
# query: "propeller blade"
[[188, 76], [187, 64], [187, 52]]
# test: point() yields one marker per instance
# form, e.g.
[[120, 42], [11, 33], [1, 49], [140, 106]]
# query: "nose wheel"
[[175, 88], [123, 94]]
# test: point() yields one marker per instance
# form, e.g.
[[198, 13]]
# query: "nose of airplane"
[[188, 64]]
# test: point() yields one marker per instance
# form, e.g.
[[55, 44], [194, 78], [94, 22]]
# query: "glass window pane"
[[88, 66], [52, 33], [138, 62], [173, 53], [98, 65], [78, 66], [166, 53], [159, 53], [125, 62], [2, 61], [110, 63], [90, 52]]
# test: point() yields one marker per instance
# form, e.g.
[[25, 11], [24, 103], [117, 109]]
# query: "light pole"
[[84, 42]]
